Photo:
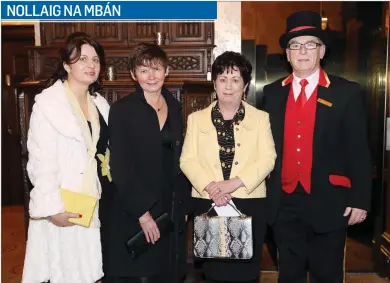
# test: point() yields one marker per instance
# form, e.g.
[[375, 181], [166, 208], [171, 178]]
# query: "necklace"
[[158, 109], [161, 107]]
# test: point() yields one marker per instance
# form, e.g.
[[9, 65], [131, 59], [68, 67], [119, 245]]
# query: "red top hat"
[[303, 23]]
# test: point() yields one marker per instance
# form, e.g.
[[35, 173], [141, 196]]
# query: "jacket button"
[[180, 202], [180, 231], [236, 163], [238, 144], [177, 143]]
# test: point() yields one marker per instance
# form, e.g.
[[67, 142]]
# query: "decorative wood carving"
[[186, 62], [120, 63], [56, 33], [190, 33], [195, 96], [125, 34], [109, 34]]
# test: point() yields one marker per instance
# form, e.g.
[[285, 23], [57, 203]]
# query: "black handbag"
[[137, 244]]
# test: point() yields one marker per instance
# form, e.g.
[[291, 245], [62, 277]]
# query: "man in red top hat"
[[322, 177]]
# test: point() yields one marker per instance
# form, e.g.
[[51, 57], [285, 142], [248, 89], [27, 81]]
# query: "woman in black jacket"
[[146, 137]]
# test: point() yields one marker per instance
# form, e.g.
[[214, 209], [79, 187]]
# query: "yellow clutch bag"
[[79, 203]]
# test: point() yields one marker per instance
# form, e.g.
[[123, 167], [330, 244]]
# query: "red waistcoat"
[[298, 143]]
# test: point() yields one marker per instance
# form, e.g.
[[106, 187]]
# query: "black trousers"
[[301, 249]]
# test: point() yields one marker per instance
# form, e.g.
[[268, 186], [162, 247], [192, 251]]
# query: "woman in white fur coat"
[[68, 130]]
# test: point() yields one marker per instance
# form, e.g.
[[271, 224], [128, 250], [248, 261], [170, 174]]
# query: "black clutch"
[[137, 243]]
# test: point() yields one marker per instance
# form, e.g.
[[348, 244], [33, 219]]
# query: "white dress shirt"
[[313, 80]]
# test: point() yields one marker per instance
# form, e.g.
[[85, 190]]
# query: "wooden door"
[[14, 70]]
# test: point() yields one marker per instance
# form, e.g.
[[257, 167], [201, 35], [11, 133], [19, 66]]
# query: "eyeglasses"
[[308, 45]]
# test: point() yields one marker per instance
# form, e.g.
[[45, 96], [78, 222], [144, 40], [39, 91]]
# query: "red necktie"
[[302, 96]]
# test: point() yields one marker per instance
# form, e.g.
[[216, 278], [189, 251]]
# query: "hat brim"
[[285, 38]]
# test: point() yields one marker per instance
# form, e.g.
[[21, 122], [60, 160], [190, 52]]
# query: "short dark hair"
[[228, 60], [70, 53], [147, 54]]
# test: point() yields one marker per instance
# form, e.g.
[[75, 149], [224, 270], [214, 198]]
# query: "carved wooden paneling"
[[143, 31], [186, 62], [56, 33], [190, 33], [114, 93], [108, 33], [125, 34], [120, 63], [42, 63], [196, 96]]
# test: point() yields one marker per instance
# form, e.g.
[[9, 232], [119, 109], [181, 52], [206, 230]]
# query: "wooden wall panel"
[[266, 21]]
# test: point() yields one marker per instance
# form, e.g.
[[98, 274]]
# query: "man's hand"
[[357, 215]]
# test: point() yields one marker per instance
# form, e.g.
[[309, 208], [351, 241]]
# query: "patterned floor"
[[13, 249]]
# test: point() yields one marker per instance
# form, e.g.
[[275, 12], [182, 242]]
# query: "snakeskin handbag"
[[223, 237]]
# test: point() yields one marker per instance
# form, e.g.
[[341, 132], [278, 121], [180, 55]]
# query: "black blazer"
[[136, 167], [340, 147]]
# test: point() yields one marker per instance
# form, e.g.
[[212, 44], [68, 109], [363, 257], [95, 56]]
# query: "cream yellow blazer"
[[254, 155]]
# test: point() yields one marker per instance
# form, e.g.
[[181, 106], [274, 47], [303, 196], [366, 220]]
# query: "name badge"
[[325, 102]]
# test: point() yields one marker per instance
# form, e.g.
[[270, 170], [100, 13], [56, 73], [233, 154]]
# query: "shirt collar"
[[323, 79], [312, 79]]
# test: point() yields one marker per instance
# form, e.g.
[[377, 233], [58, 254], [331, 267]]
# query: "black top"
[[167, 164], [101, 145], [145, 169], [225, 133]]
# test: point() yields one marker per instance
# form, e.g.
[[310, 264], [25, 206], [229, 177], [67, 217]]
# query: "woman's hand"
[[222, 188], [222, 201], [62, 219], [149, 226], [207, 188]]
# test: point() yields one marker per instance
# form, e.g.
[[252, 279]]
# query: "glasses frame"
[[317, 44]]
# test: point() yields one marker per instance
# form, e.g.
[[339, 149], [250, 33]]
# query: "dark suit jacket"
[[137, 170], [340, 147]]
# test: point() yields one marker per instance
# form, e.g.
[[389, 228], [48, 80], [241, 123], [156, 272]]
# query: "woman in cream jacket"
[[68, 128], [227, 154]]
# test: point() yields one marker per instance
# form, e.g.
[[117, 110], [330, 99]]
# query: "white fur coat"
[[57, 157]]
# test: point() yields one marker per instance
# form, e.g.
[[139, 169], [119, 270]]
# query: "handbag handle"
[[239, 212]]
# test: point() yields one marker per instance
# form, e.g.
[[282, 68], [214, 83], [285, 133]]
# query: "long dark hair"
[[71, 53]]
